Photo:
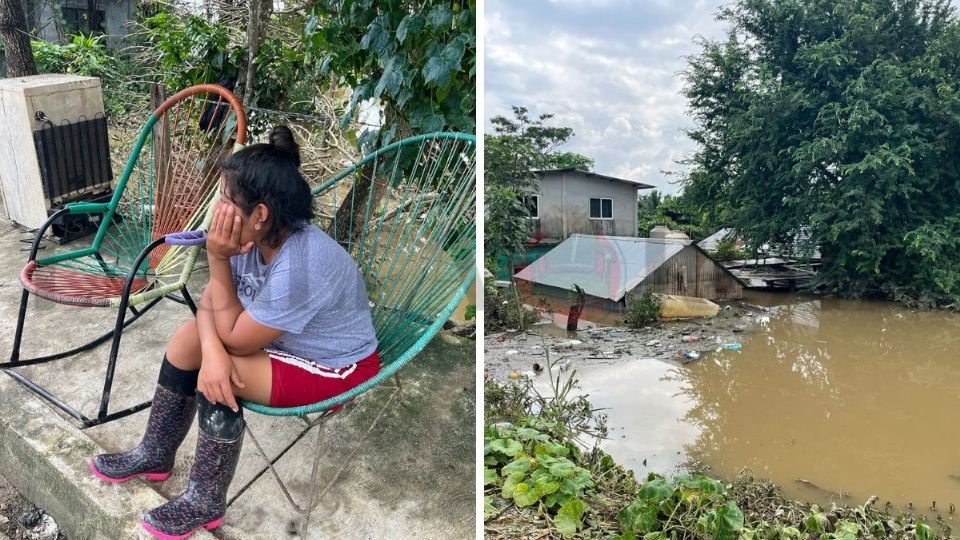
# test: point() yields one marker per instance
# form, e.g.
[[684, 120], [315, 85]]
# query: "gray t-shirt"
[[313, 291]]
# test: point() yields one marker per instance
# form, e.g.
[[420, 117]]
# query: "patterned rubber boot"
[[170, 418], [204, 503]]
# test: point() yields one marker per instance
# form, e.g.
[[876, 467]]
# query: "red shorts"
[[298, 381]]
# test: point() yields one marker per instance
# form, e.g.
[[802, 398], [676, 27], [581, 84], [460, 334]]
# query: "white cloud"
[[607, 69]]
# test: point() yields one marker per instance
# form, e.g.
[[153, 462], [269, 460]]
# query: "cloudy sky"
[[607, 68]]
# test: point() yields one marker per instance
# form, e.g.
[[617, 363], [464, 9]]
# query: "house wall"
[[692, 273], [565, 297], [116, 15], [565, 207]]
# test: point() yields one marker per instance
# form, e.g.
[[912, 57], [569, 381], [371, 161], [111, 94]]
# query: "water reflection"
[[831, 399]]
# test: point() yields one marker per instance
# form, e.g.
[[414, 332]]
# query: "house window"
[[78, 20], [532, 204], [601, 208]]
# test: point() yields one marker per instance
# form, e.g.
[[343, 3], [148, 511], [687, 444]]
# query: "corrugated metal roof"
[[604, 266], [710, 243]]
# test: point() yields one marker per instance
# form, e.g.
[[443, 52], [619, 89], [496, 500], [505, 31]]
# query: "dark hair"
[[269, 173]]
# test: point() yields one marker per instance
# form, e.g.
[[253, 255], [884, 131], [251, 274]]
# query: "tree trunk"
[[16, 41], [576, 308], [259, 13]]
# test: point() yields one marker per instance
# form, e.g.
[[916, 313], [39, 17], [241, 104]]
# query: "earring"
[[257, 226]]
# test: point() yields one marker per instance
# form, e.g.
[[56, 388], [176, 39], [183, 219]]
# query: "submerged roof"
[[710, 243], [604, 266], [639, 185]]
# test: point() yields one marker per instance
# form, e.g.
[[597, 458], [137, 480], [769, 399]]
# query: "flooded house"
[[572, 201], [608, 268], [788, 266]]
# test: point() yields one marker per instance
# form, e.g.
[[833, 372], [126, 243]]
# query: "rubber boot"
[[204, 502], [170, 418]]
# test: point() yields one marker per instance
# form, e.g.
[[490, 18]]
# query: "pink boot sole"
[[153, 477], [164, 536]]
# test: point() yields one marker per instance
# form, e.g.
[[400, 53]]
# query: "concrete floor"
[[412, 478]]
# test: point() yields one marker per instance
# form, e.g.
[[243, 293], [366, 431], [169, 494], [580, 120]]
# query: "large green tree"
[[517, 147], [837, 119], [416, 58]]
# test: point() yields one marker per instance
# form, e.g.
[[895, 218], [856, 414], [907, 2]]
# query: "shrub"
[[727, 249], [503, 310], [642, 309], [84, 56]]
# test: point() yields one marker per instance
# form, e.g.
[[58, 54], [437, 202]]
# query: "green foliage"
[[838, 120], [698, 502], [642, 309], [506, 227], [521, 145], [188, 49], [517, 147], [727, 249], [503, 310], [531, 468], [522, 455], [281, 75], [87, 56], [562, 413], [82, 55], [182, 50], [417, 58], [675, 213]]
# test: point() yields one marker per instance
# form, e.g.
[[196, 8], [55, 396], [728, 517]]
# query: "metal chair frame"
[[127, 301]]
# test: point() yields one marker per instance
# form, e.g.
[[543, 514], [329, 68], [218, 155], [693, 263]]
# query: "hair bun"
[[281, 138]]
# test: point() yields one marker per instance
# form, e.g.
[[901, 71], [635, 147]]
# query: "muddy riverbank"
[[594, 345]]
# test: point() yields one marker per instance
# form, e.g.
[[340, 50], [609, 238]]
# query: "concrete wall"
[[565, 207], [693, 273], [116, 15]]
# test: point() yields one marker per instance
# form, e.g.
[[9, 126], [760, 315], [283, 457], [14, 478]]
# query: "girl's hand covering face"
[[223, 240]]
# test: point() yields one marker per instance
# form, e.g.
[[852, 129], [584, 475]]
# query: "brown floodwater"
[[833, 400]]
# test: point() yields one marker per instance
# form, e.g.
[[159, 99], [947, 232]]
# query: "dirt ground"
[[522, 353], [14, 506]]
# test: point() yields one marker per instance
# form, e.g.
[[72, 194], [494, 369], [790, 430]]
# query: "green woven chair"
[[407, 215], [134, 261]]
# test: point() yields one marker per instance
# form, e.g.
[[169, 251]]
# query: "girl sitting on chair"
[[284, 322]]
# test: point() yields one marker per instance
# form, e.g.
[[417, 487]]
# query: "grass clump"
[[642, 309]]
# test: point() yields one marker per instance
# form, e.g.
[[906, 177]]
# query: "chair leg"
[[313, 486], [189, 300], [314, 500], [399, 390], [112, 362], [15, 354]]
